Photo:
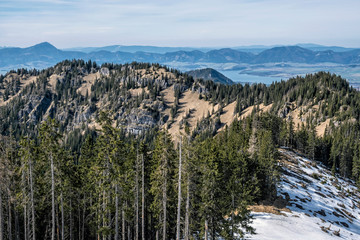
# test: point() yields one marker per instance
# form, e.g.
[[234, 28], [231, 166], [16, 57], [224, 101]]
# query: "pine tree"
[[49, 146], [209, 188], [266, 157], [27, 153], [162, 177]]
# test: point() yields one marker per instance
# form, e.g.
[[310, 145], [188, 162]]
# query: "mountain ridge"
[[45, 55], [89, 83]]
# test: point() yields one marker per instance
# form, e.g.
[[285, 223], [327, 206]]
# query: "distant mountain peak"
[[44, 45], [210, 74]]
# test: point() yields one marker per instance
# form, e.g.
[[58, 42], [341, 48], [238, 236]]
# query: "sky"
[[185, 23]]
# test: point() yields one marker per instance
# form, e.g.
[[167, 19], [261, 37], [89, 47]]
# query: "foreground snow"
[[322, 206]]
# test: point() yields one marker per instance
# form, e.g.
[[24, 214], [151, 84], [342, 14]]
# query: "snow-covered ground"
[[321, 206]]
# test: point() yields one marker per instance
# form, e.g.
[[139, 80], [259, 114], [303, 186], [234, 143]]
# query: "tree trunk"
[[232, 215], [57, 222], [1, 218], [52, 199], [26, 234], [98, 219], [71, 221], [32, 204], [187, 209], [17, 230], [116, 212], [179, 197], [83, 223], [62, 218], [10, 221], [206, 230], [123, 223], [142, 198], [109, 218], [212, 228], [129, 232], [109, 236], [79, 224], [103, 214], [164, 205], [137, 199]]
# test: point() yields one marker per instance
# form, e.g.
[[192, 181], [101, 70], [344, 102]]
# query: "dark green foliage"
[[222, 173], [222, 178]]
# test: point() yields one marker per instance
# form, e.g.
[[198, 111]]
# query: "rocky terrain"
[[141, 96]]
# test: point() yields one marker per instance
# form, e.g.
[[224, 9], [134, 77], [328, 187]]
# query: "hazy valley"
[[241, 64]]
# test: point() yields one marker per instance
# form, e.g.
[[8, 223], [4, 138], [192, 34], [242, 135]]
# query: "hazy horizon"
[[178, 46], [197, 23]]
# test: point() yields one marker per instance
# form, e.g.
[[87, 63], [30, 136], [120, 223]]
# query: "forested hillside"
[[143, 151]]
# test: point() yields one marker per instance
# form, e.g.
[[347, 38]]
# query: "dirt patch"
[[320, 130], [228, 115], [191, 109], [87, 82], [23, 83], [269, 209], [137, 91], [247, 111], [156, 73], [52, 81]]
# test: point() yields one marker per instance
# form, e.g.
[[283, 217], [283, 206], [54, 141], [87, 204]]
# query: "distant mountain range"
[[154, 49], [44, 55], [136, 48]]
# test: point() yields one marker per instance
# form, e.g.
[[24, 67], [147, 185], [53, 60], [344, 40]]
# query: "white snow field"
[[321, 206]]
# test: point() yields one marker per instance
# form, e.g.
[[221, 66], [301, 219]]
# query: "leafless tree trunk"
[[71, 221], [9, 219], [57, 222], [62, 218], [79, 223], [164, 202], [137, 198], [103, 214], [52, 199], [1, 217], [83, 223], [232, 214], [116, 212], [32, 204], [26, 234], [179, 197], [108, 202], [187, 208], [129, 232], [206, 230], [142, 198], [123, 222], [158, 230], [98, 218], [17, 230]]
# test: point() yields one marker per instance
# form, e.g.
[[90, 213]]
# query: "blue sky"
[[197, 23]]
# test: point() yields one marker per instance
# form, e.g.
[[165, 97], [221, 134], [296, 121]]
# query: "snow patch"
[[322, 206]]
